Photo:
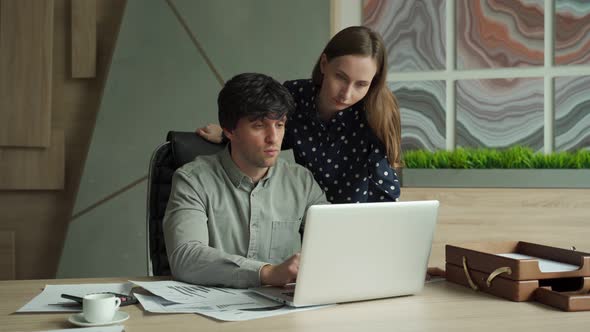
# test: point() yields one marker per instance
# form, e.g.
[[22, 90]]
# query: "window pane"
[[572, 32], [423, 115], [497, 33], [413, 31], [572, 113], [498, 113]]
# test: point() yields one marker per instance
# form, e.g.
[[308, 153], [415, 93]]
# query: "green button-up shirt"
[[220, 228]]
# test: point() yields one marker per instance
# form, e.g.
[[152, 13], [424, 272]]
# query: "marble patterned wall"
[[572, 37], [489, 34], [572, 113], [498, 113], [413, 31], [499, 33], [422, 114]]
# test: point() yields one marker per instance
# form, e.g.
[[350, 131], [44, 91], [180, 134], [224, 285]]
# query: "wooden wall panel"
[[83, 38], [7, 255], [26, 41], [34, 168], [557, 217], [40, 217], [36, 219]]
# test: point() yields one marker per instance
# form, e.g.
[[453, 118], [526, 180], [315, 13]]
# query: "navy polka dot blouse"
[[344, 155]]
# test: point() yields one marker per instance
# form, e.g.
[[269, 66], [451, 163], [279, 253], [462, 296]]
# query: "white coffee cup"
[[100, 308]]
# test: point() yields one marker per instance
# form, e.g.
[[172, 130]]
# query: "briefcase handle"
[[494, 274]]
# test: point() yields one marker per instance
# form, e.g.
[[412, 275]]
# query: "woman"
[[346, 127]]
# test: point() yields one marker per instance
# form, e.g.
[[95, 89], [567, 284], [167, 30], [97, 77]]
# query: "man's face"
[[256, 145]]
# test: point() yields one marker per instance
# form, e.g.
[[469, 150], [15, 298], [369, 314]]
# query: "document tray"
[[485, 258], [566, 301], [519, 291], [553, 276]]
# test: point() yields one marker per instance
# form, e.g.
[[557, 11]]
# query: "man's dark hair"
[[255, 96]]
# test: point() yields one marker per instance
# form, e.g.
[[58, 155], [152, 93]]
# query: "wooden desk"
[[441, 306]]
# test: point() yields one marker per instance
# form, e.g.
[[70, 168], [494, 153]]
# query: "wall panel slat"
[[26, 44], [7, 255], [83, 38], [34, 168]]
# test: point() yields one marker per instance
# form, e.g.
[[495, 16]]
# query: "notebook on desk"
[[354, 252]]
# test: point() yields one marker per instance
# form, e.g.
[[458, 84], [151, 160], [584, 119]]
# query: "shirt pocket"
[[285, 240]]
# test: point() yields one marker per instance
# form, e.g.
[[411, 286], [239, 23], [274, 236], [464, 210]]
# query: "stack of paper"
[[227, 304]]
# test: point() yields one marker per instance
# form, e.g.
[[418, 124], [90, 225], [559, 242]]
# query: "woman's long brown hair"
[[382, 109]]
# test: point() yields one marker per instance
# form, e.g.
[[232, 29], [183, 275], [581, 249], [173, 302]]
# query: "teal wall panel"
[[281, 38], [159, 81], [109, 241]]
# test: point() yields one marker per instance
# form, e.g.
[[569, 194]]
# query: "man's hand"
[[282, 274], [211, 132]]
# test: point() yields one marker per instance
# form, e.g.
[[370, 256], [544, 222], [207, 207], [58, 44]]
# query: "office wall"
[[105, 228], [36, 198], [159, 80], [488, 73]]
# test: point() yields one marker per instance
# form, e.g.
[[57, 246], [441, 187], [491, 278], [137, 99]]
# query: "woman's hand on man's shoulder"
[[210, 132]]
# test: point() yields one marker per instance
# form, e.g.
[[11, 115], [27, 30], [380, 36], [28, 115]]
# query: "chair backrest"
[[179, 149]]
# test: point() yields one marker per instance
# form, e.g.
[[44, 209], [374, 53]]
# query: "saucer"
[[78, 319]]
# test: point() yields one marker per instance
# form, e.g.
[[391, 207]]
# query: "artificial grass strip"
[[515, 157]]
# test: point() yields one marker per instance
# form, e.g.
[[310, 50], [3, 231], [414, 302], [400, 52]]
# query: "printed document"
[[180, 292], [227, 304], [50, 299], [260, 308]]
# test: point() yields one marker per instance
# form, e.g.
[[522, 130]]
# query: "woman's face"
[[346, 80]]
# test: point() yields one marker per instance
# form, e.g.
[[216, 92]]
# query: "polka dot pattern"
[[346, 140]]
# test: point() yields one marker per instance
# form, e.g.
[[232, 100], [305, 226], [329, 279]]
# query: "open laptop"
[[354, 252]]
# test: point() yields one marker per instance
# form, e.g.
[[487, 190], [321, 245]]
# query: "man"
[[234, 218]]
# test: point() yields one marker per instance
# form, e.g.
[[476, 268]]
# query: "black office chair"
[[179, 149]]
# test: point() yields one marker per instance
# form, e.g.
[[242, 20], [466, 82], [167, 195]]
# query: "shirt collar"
[[271, 170], [236, 176], [341, 117]]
